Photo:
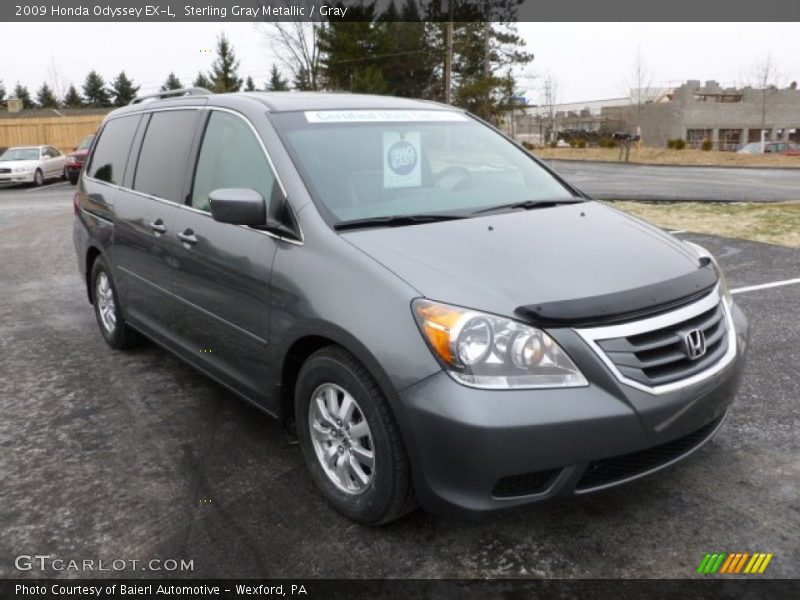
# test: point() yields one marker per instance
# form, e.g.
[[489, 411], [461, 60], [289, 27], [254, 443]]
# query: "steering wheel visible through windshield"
[[367, 164]]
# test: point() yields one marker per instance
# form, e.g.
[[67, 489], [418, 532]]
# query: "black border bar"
[[630, 11], [698, 588]]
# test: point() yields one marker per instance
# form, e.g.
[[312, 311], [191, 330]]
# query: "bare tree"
[[765, 78], [57, 81], [641, 89], [550, 100], [296, 45]]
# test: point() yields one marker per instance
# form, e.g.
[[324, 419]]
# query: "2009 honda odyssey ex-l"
[[439, 317]]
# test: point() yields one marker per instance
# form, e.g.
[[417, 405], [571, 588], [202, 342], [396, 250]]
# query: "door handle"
[[188, 238], [158, 227]]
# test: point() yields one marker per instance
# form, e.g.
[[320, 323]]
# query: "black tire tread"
[[402, 502]]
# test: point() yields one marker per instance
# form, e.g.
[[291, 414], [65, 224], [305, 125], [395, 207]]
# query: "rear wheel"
[[350, 440], [116, 332]]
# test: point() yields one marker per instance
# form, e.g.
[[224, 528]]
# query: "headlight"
[[487, 351], [724, 289], [22, 169], [72, 160]]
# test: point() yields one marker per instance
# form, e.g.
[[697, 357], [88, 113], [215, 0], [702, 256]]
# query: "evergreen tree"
[[249, 86], [202, 81], [95, 92], [123, 90], [368, 80], [223, 74], [2, 93], [21, 92], [73, 99], [45, 97], [351, 45], [302, 82], [276, 83], [413, 52], [172, 83]]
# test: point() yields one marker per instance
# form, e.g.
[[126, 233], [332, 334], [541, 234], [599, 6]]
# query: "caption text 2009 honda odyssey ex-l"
[[440, 318]]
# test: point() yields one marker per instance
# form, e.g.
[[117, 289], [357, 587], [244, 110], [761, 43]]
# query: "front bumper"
[[26, 177], [478, 450]]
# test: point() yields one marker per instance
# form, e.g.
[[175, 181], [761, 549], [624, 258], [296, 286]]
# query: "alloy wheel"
[[341, 438], [106, 307]]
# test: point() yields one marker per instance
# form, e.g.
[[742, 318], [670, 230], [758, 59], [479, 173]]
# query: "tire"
[[38, 178], [73, 179], [116, 332], [332, 374]]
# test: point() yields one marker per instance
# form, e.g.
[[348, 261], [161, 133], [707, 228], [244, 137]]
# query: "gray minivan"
[[435, 315]]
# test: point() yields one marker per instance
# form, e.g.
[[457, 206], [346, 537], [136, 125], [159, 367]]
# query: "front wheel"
[[38, 178], [350, 440]]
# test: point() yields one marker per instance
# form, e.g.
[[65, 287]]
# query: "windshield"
[[21, 154], [364, 164], [752, 148], [87, 141]]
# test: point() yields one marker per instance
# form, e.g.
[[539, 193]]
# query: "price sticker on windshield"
[[401, 159]]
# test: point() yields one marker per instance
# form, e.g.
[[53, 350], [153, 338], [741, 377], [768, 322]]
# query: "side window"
[[52, 152], [111, 151], [161, 170], [230, 157]]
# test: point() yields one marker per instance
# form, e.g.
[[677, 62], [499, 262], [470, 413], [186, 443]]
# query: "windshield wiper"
[[395, 221], [530, 204]]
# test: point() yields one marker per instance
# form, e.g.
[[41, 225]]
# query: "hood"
[[78, 154], [513, 263], [15, 164]]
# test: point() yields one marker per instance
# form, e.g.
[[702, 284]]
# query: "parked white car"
[[31, 164]]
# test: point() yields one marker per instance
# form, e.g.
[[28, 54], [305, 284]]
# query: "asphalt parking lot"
[[108, 455], [647, 182]]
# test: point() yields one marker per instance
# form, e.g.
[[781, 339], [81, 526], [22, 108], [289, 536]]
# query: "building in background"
[[728, 117]]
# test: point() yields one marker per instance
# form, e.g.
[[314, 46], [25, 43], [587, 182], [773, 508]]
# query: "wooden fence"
[[62, 132]]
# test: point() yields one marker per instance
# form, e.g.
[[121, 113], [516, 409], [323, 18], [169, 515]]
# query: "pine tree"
[[202, 81], [2, 93], [22, 93], [277, 83], [95, 92], [123, 90], [351, 45], [73, 99], [172, 83], [45, 97], [302, 82], [368, 80], [249, 86], [223, 74]]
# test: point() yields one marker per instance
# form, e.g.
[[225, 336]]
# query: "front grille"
[[657, 357], [525, 485], [4, 171], [618, 468]]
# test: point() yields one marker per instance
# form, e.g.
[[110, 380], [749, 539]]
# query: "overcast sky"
[[590, 60]]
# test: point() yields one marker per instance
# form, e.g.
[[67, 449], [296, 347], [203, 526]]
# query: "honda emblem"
[[694, 344]]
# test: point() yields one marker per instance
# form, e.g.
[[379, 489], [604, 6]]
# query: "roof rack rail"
[[189, 91]]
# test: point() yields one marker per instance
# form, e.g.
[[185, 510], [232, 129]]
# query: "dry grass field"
[[664, 156], [773, 223]]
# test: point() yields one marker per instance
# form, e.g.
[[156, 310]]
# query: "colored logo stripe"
[[736, 562]]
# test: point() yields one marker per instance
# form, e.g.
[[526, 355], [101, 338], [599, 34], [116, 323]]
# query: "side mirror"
[[238, 206]]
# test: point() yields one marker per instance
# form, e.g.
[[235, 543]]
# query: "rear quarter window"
[[110, 155]]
